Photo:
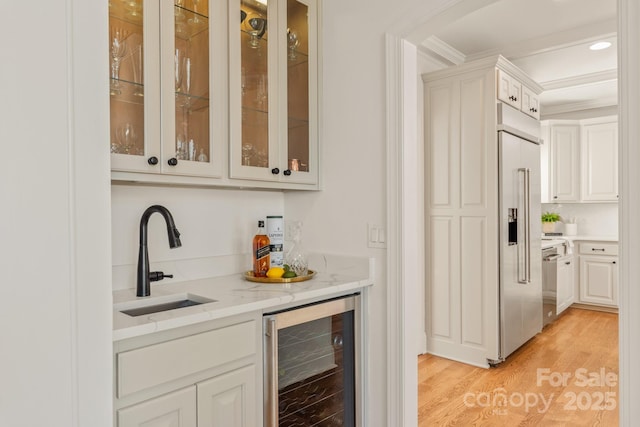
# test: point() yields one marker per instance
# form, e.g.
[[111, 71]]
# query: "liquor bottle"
[[261, 250]]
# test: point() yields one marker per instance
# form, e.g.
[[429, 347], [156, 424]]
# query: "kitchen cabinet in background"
[[461, 205], [581, 157], [565, 163], [598, 274], [565, 291], [518, 95], [599, 148]]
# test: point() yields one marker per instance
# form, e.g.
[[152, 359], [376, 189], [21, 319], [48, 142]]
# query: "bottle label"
[[275, 232], [263, 252]]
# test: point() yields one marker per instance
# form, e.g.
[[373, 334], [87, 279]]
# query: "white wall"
[[594, 219], [55, 319], [212, 222]]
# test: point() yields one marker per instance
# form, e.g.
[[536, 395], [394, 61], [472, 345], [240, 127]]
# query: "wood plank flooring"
[[565, 376]]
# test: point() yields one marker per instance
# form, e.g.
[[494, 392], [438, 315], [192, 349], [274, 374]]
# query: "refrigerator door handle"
[[526, 172]]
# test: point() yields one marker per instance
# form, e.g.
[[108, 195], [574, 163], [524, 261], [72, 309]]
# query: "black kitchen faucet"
[[144, 276]]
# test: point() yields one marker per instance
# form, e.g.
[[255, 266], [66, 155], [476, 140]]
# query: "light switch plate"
[[376, 236]]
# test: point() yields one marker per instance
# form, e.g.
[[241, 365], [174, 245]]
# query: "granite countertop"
[[234, 295]]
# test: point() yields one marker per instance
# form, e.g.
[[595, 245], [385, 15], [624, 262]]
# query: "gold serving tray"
[[250, 277]]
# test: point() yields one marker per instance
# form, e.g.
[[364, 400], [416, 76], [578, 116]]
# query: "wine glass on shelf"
[[179, 73], [118, 50], [292, 43], [258, 26], [126, 137], [187, 76], [196, 18], [137, 65]]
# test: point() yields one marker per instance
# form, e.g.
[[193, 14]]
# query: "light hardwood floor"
[[565, 376]]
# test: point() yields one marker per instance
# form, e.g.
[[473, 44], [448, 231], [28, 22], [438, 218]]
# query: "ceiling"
[[549, 40]]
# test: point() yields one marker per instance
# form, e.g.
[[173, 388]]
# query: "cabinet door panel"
[[134, 111], [228, 400], [600, 162], [177, 409], [189, 53], [530, 103], [565, 284], [273, 91], [599, 280], [564, 163]]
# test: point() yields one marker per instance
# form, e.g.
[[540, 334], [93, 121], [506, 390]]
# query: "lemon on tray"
[[275, 272]]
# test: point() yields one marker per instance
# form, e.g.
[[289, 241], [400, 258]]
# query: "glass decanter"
[[296, 257]]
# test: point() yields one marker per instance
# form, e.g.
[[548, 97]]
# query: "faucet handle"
[[154, 276]]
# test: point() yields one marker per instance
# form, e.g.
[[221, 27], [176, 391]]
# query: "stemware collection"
[[118, 50]]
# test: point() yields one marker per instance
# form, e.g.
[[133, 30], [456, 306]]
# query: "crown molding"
[[444, 50], [582, 80], [551, 110]]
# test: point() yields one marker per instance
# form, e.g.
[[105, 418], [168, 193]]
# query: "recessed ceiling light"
[[599, 45]]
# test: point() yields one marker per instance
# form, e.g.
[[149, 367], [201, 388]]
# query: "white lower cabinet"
[[177, 409], [228, 400], [565, 283], [209, 374], [599, 274]]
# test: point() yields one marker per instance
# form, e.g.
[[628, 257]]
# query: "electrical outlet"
[[376, 236]]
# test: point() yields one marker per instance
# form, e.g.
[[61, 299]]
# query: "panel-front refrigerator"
[[520, 231]]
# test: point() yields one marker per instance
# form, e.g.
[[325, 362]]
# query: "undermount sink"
[[160, 304]]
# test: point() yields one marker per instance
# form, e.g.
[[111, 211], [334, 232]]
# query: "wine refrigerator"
[[311, 365]]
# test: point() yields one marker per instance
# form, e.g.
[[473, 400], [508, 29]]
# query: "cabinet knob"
[[287, 172], [613, 262], [172, 161], [153, 160], [275, 171], [568, 263], [555, 197]]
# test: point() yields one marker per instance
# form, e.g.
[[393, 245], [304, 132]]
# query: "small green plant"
[[550, 217]]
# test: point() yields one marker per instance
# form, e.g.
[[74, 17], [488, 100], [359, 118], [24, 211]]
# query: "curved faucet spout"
[[144, 277]]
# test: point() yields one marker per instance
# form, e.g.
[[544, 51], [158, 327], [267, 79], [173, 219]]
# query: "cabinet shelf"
[[130, 92], [191, 102], [129, 12], [189, 23]]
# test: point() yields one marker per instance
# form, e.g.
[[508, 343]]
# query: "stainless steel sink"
[[160, 304]]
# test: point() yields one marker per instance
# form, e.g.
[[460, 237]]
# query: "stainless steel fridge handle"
[[527, 227], [271, 410]]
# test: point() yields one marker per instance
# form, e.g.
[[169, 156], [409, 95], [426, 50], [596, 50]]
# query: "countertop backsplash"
[[215, 225], [594, 219]]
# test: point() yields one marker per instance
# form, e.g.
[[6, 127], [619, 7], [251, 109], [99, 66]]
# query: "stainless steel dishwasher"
[[550, 258]]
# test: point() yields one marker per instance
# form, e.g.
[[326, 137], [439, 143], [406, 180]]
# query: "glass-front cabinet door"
[[166, 89], [273, 90]]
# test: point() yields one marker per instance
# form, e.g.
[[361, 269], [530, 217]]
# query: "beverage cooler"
[[311, 365]]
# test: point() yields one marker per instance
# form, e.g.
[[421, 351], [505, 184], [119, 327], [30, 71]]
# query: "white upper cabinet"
[[565, 169], [516, 94], [167, 102], [215, 93], [600, 162], [509, 90], [582, 160], [274, 91], [530, 103]]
